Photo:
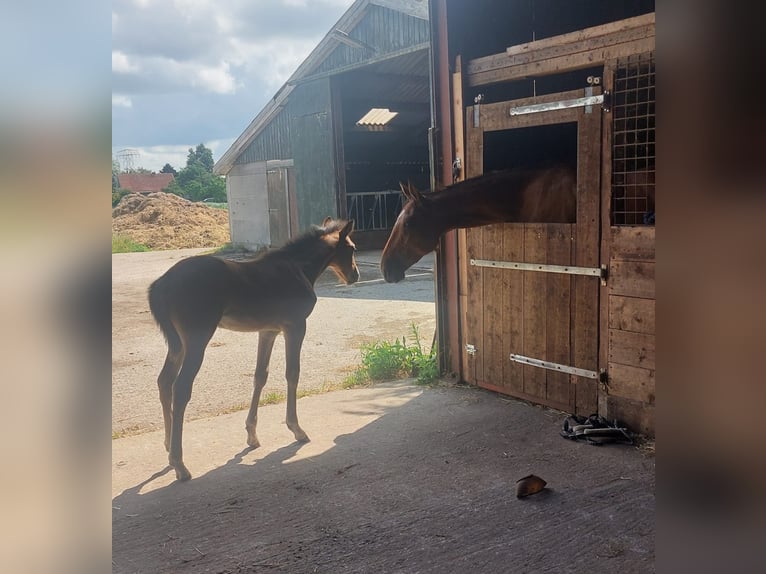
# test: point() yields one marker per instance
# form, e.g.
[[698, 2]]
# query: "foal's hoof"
[[182, 473], [302, 437], [253, 442]]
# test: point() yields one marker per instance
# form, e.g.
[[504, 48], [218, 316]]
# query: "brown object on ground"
[[167, 221], [530, 484]]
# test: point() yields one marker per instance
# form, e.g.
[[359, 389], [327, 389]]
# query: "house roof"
[[145, 182], [338, 34]]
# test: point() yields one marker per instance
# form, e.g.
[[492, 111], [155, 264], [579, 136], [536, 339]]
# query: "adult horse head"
[[415, 233]]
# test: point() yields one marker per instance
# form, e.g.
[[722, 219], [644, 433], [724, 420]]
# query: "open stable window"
[[633, 137]]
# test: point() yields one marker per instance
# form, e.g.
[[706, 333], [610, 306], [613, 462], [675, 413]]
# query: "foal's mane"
[[306, 241]]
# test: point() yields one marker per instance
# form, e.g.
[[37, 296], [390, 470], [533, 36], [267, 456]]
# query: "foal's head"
[[343, 261], [415, 233]]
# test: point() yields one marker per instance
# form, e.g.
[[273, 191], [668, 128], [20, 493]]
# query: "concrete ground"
[[396, 478]]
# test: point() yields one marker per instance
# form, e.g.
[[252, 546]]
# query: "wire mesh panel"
[[633, 141]]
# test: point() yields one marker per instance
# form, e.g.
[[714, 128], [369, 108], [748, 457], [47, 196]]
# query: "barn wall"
[[384, 31], [272, 143], [313, 152], [631, 328], [246, 187]]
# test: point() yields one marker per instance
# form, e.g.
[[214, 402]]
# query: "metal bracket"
[[607, 104], [560, 105], [476, 108], [554, 366], [470, 349], [603, 378], [566, 269], [456, 167]]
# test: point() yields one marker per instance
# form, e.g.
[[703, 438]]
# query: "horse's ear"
[[410, 192], [347, 229], [327, 221]]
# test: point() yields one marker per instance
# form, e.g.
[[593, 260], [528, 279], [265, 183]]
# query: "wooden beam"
[[576, 50], [587, 34]]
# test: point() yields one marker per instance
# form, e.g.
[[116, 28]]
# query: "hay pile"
[[167, 221]]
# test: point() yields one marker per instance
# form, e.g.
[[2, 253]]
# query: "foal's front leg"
[[293, 343], [265, 345]]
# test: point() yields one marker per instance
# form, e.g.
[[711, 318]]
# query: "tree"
[[167, 168], [197, 181]]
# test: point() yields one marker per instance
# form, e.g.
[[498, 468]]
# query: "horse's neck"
[[313, 263], [475, 207]]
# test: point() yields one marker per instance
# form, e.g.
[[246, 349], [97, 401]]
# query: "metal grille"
[[633, 141], [374, 210]]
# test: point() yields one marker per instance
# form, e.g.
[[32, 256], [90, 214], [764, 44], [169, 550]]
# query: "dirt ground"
[[396, 478]]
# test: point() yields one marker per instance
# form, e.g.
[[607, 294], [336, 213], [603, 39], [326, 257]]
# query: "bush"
[[383, 361], [117, 195]]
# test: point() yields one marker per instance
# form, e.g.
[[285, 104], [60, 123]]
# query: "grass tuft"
[[124, 244]]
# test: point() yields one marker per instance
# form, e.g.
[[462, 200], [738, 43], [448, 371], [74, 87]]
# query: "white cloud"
[[121, 64], [121, 101], [217, 80]]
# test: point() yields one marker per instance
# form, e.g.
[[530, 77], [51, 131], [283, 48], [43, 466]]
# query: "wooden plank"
[[492, 308], [472, 315], [592, 33], [527, 53], [632, 349], [474, 312], [632, 278], [636, 416], [535, 326], [513, 310], [631, 314], [505, 121], [474, 152], [607, 82], [586, 289], [558, 293], [633, 243], [567, 63], [457, 110], [632, 383], [496, 116], [503, 59]]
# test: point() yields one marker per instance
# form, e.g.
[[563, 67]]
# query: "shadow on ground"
[[399, 478]]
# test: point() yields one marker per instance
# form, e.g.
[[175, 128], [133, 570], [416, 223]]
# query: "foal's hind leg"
[[265, 345], [165, 382], [293, 343], [195, 352]]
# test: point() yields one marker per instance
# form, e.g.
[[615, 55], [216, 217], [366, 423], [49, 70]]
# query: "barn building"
[[348, 125]]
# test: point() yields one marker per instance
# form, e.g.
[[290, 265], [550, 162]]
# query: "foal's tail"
[[160, 307]]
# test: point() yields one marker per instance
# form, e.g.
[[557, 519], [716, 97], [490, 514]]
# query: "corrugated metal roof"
[[377, 117]]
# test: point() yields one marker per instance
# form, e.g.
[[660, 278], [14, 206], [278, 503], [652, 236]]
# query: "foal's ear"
[[327, 221], [347, 229], [410, 192]]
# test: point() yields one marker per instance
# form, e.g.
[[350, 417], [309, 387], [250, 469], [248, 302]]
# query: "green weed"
[[385, 361], [124, 244]]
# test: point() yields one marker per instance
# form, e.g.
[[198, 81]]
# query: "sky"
[[186, 72]]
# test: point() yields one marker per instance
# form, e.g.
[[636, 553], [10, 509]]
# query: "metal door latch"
[[477, 105], [470, 349], [456, 167]]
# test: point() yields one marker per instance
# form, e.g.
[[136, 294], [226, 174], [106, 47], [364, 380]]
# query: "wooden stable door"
[[533, 334]]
